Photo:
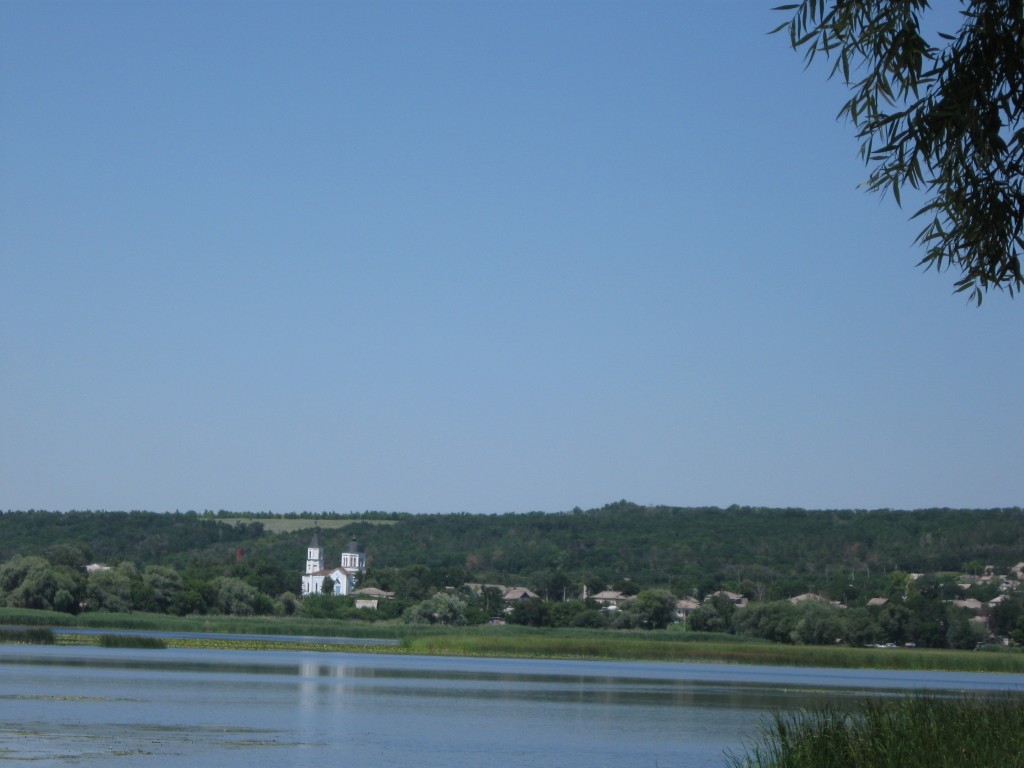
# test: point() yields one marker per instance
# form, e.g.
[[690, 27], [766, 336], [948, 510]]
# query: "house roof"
[[970, 603], [608, 595], [519, 593], [479, 588], [725, 593], [331, 572], [807, 596], [373, 592]]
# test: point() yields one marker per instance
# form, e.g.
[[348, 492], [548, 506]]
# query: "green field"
[[291, 524]]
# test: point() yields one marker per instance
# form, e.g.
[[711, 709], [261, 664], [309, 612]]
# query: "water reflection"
[[225, 708]]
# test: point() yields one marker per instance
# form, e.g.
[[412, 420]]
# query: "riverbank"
[[510, 641]]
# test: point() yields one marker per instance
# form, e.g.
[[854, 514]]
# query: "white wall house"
[[353, 564]]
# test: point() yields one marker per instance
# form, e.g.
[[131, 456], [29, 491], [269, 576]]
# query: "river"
[[78, 705]]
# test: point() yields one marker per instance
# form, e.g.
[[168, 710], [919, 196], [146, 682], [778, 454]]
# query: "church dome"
[[353, 548]]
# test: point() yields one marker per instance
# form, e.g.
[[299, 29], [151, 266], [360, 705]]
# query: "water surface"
[[79, 705]]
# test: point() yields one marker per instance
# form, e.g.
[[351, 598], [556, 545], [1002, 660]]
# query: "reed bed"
[[910, 732], [611, 645], [31, 636], [255, 625], [518, 641], [129, 641]]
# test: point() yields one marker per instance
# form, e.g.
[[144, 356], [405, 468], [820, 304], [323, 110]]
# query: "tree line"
[[188, 563]]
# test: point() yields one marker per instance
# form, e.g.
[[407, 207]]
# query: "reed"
[[603, 644], [129, 641], [519, 641], [31, 617], [910, 732], [32, 636]]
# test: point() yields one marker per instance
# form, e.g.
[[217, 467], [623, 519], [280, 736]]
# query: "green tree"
[[819, 624], [110, 589], [161, 585], [327, 588], [775, 621], [1005, 615], [442, 608], [651, 609], [960, 633], [32, 582], [715, 615], [234, 596], [943, 114], [188, 602], [860, 627], [532, 613], [287, 604]]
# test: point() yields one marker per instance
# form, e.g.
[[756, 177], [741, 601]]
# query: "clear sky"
[[467, 256]]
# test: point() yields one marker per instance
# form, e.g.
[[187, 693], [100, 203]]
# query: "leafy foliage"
[[945, 117], [209, 564]]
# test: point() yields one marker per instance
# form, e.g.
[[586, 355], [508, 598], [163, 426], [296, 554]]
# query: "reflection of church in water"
[[353, 563]]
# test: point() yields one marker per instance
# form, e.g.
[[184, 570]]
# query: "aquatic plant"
[[31, 635], [130, 641], [924, 731]]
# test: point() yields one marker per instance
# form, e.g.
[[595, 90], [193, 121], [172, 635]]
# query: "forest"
[[229, 562]]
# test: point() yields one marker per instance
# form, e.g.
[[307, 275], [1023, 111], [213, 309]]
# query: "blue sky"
[[466, 256]]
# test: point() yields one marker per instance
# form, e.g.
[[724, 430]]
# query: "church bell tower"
[[314, 554]]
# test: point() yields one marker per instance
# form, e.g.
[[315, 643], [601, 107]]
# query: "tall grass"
[[32, 635], [605, 644], [129, 641], [910, 732], [673, 645]]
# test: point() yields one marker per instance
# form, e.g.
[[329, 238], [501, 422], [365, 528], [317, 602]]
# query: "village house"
[[609, 598], [519, 593], [685, 607], [343, 577], [740, 601], [372, 593], [814, 597]]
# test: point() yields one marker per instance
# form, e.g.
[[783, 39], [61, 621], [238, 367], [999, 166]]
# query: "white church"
[[353, 564]]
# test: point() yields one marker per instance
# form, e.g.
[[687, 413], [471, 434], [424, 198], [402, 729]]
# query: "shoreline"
[[266, 633]]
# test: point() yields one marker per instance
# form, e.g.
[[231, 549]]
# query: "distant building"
[[740, 601], [814, 597], [519, 593], [686, 606], [609, 598], [343, 577], [373, 593]]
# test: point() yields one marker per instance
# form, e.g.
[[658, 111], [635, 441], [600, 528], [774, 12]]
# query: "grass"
[[910, 732], [32, 636], [129, 641], [603, 644], [158, 622], [515, 641]]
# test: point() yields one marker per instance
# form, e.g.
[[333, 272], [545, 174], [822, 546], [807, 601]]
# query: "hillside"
[[771, 552]]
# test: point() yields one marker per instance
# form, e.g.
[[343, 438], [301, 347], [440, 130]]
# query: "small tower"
[[314, 554], [353, 557]]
